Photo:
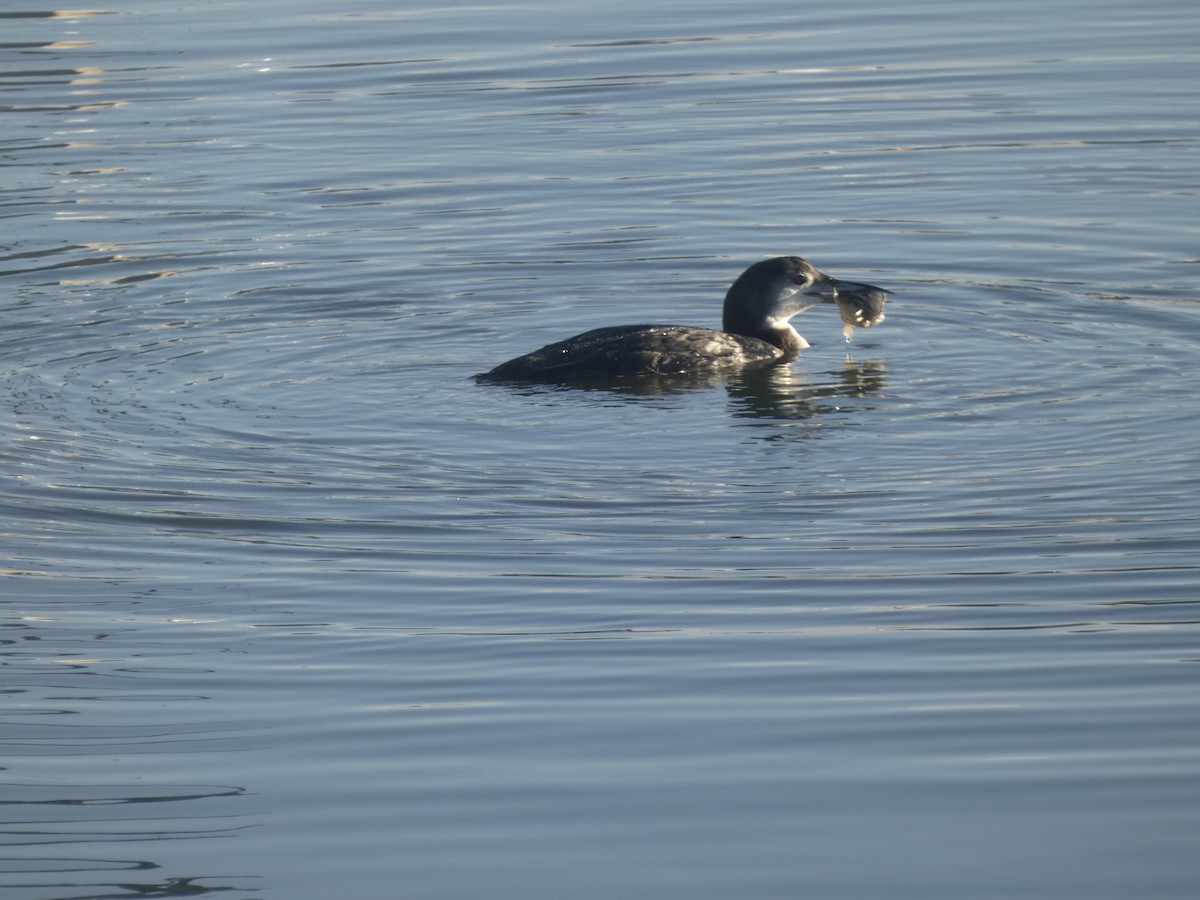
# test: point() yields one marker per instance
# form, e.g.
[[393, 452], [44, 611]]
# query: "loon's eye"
[[802, 279]]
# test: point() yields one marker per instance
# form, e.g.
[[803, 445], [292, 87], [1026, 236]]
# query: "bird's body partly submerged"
[[755, 331], [623, 350]]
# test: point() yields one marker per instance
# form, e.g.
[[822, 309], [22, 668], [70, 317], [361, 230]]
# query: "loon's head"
[[766, 296]]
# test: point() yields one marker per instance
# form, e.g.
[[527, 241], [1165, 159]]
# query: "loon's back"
[[625, 350]]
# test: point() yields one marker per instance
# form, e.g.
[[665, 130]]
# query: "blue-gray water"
[[292, 608]]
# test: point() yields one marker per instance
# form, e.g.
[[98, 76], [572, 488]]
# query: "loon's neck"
[[777, 332], [785, 337]]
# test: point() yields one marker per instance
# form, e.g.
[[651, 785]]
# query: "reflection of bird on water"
[[780, 393], [755, 330]]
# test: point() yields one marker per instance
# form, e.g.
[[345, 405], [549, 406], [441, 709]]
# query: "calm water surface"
[[292, 608]]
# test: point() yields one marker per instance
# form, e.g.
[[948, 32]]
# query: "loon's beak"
[[860, 305]]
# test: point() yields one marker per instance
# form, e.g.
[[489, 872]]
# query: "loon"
[[755, 331]]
